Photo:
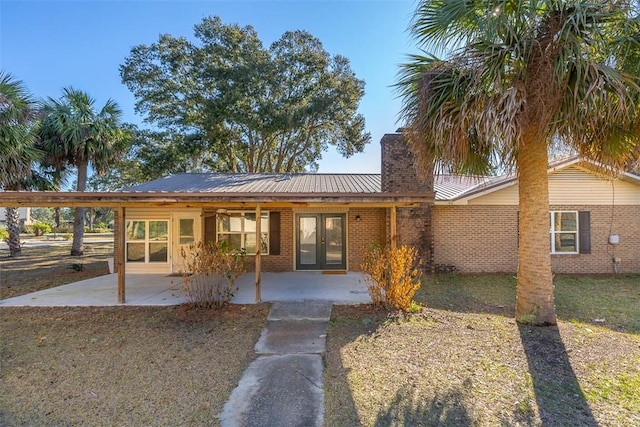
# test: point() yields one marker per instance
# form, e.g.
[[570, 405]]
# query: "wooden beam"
[[120, 251], [212, 200], [258, 252], [394, 233]]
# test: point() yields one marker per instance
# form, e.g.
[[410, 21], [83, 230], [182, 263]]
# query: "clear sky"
[[52, 44]]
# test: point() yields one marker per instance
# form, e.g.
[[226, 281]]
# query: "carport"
[[255, 201]]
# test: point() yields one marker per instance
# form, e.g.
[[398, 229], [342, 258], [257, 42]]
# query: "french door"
[[321, 242]]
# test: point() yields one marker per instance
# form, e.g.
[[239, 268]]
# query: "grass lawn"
[[464, 361], [143, 366], [43, 267], [122, 366]]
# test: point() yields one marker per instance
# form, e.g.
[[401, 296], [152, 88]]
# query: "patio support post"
[[258, 251], [394, 233], [119, 255]]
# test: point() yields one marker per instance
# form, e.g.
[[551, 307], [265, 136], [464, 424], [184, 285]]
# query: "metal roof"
[[263, 183], [450, 187]]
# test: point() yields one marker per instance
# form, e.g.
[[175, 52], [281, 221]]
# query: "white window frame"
[[553, 232], [243, 233], [147, 241]]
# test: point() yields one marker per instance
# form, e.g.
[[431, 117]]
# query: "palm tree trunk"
[[534, 294], [13, 227], [77, 248], [56, 217]]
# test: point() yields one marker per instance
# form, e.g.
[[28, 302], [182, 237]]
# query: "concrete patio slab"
[[155, 289]]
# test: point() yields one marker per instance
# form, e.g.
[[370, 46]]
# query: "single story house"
[[594, 222], [323, 222], [307, 221]]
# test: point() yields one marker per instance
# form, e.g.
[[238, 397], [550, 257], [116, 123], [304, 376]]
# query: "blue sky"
[[52, 44]]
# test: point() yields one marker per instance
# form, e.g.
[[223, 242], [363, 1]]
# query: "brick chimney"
[[400, 175]]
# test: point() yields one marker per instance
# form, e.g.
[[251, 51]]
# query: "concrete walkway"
[[284, 385]]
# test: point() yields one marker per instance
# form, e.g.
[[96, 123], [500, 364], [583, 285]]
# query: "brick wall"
[[284, 261], [399, 175], [369, 229], [475, 239], [623, 221]]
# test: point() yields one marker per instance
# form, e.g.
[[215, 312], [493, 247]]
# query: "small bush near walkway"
[[210, 273], [392, 275]]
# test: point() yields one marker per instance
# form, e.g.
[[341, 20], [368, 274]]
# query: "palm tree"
[[520, 76], [17, 151], [75, 133]]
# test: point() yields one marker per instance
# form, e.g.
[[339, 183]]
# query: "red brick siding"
[[284, 261], [370, 229], [476, 239], [399, 175]]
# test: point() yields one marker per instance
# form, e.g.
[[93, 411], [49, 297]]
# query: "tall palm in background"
[[17, 151], [518, 77], [75, 133]]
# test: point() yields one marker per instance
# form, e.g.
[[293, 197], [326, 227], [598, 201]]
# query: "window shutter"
[[210, 229], [274, 233], [584, 223]]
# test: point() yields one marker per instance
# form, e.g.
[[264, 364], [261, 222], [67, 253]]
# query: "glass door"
[[320, 241]]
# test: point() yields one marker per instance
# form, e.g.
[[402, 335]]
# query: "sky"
[[54, 44]]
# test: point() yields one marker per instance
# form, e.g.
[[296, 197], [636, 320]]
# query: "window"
[[564, 232], [239, 230], [147, 241], [186, 231]]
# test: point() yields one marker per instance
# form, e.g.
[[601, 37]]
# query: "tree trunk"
[[13, 227], [77, 248], [534, 294], [56, 217]]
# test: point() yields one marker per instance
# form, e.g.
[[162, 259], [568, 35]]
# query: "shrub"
[[4, 235], [40, 228], [392, 275], [211, 270]]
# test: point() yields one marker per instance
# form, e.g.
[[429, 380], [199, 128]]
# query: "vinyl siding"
[[575, 186]]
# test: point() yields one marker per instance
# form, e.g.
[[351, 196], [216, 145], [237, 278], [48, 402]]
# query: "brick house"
[[308, 221], [324, 221], [594, 222]]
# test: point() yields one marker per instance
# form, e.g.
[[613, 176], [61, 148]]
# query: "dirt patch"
[[47, 266], [123, 365]]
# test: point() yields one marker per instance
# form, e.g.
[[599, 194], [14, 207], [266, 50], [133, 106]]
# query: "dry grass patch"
[[44, 267], [464, 360], [122, 365]]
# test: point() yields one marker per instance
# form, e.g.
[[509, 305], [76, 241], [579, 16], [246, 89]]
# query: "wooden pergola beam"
[[119, 236], [212, 200], [258, 252], [393, 223]]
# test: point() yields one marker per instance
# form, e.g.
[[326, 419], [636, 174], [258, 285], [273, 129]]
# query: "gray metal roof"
[[263, 183], [450, 187]]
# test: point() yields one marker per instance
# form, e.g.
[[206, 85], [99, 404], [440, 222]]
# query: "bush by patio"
[[210, 272], [392, 275]]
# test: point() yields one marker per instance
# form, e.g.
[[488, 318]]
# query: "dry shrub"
[[211, 270], [392, 275]]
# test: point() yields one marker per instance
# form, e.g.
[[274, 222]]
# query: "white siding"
[[572, 186]]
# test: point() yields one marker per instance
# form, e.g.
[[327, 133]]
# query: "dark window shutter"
[[210, 229], [584, 224], [274, 233]]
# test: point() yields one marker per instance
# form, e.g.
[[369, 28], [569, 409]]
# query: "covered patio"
[[156, 289]]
